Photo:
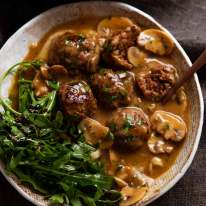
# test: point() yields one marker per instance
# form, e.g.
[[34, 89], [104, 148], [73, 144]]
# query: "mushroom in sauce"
[[170, 126], [155, 162], [93, 131], [55, 72], [158, 145], [39, 85], [132, 176], [135, 56], [113, 24], [40, 82], [132, 195], [156, 41]]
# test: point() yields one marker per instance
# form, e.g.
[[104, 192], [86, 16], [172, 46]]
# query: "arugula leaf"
[[37, 119], [33, 147], [57, 199], [24, 96]]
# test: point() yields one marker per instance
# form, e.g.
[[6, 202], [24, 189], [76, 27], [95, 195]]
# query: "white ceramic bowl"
[[16, 48]]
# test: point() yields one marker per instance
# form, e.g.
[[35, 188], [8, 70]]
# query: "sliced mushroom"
[[93, 131], [181, 99], [133, 176], [151, 107], [120, 182], [135, 56], [170, 126], [140, 179], [156, 41], [96, 154], [155, 162], [113, 156], [132, 195], [39, 85], [125, 173], [113, 24], [54, 72], [157, 145]]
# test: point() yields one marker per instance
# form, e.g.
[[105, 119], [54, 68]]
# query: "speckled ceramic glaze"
[[17, 46]]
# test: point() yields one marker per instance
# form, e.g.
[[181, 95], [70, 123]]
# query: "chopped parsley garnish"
[[167, 126], [112, 126], [140, 122], [106, 89], [108, 48], [110, 135], [128, 123], [111, 98], [81, 37]]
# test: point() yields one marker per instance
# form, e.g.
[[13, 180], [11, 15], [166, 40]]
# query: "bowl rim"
[[122, 5]]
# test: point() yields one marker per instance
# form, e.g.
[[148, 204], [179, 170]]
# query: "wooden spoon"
[[200, 61]]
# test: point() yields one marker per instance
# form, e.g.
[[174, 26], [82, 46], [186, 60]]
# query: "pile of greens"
[[46, 152]]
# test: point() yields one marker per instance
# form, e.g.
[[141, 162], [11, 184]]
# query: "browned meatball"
[[130, 126], [74, 51], [112, 89], [115, 48], [77, 100], [155, 81]]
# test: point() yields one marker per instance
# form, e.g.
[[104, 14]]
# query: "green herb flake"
[[108, 48], [106, 90], [102, 71], [128, 123]]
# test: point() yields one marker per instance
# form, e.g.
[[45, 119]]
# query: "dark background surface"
[[186, 19]]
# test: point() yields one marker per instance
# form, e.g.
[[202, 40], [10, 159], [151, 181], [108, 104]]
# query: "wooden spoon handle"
[[200, 61]]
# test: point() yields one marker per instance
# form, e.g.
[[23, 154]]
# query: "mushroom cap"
[[93, 131], [132, 195], [170, 126], [156, 41], [112, 24], [135, 56]]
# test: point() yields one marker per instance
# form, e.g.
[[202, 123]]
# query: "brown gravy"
[[140, 158]]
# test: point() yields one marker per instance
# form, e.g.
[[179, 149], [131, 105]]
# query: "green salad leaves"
[[37, 144]]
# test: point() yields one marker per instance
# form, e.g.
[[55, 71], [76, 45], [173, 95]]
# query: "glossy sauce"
[[140, 158]]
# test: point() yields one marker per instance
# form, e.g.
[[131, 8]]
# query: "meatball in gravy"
[[75, 51], [115, 48], [77, 100], [156, 79], [130, 126], [112, 89]]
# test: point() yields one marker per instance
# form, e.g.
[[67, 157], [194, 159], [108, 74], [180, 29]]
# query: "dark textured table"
[[186, 19]]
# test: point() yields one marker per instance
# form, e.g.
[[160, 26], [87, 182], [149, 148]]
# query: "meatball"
[[155, 81], [115, 48], [130, 126], [77, 100], [112, 89], [74, 51]]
